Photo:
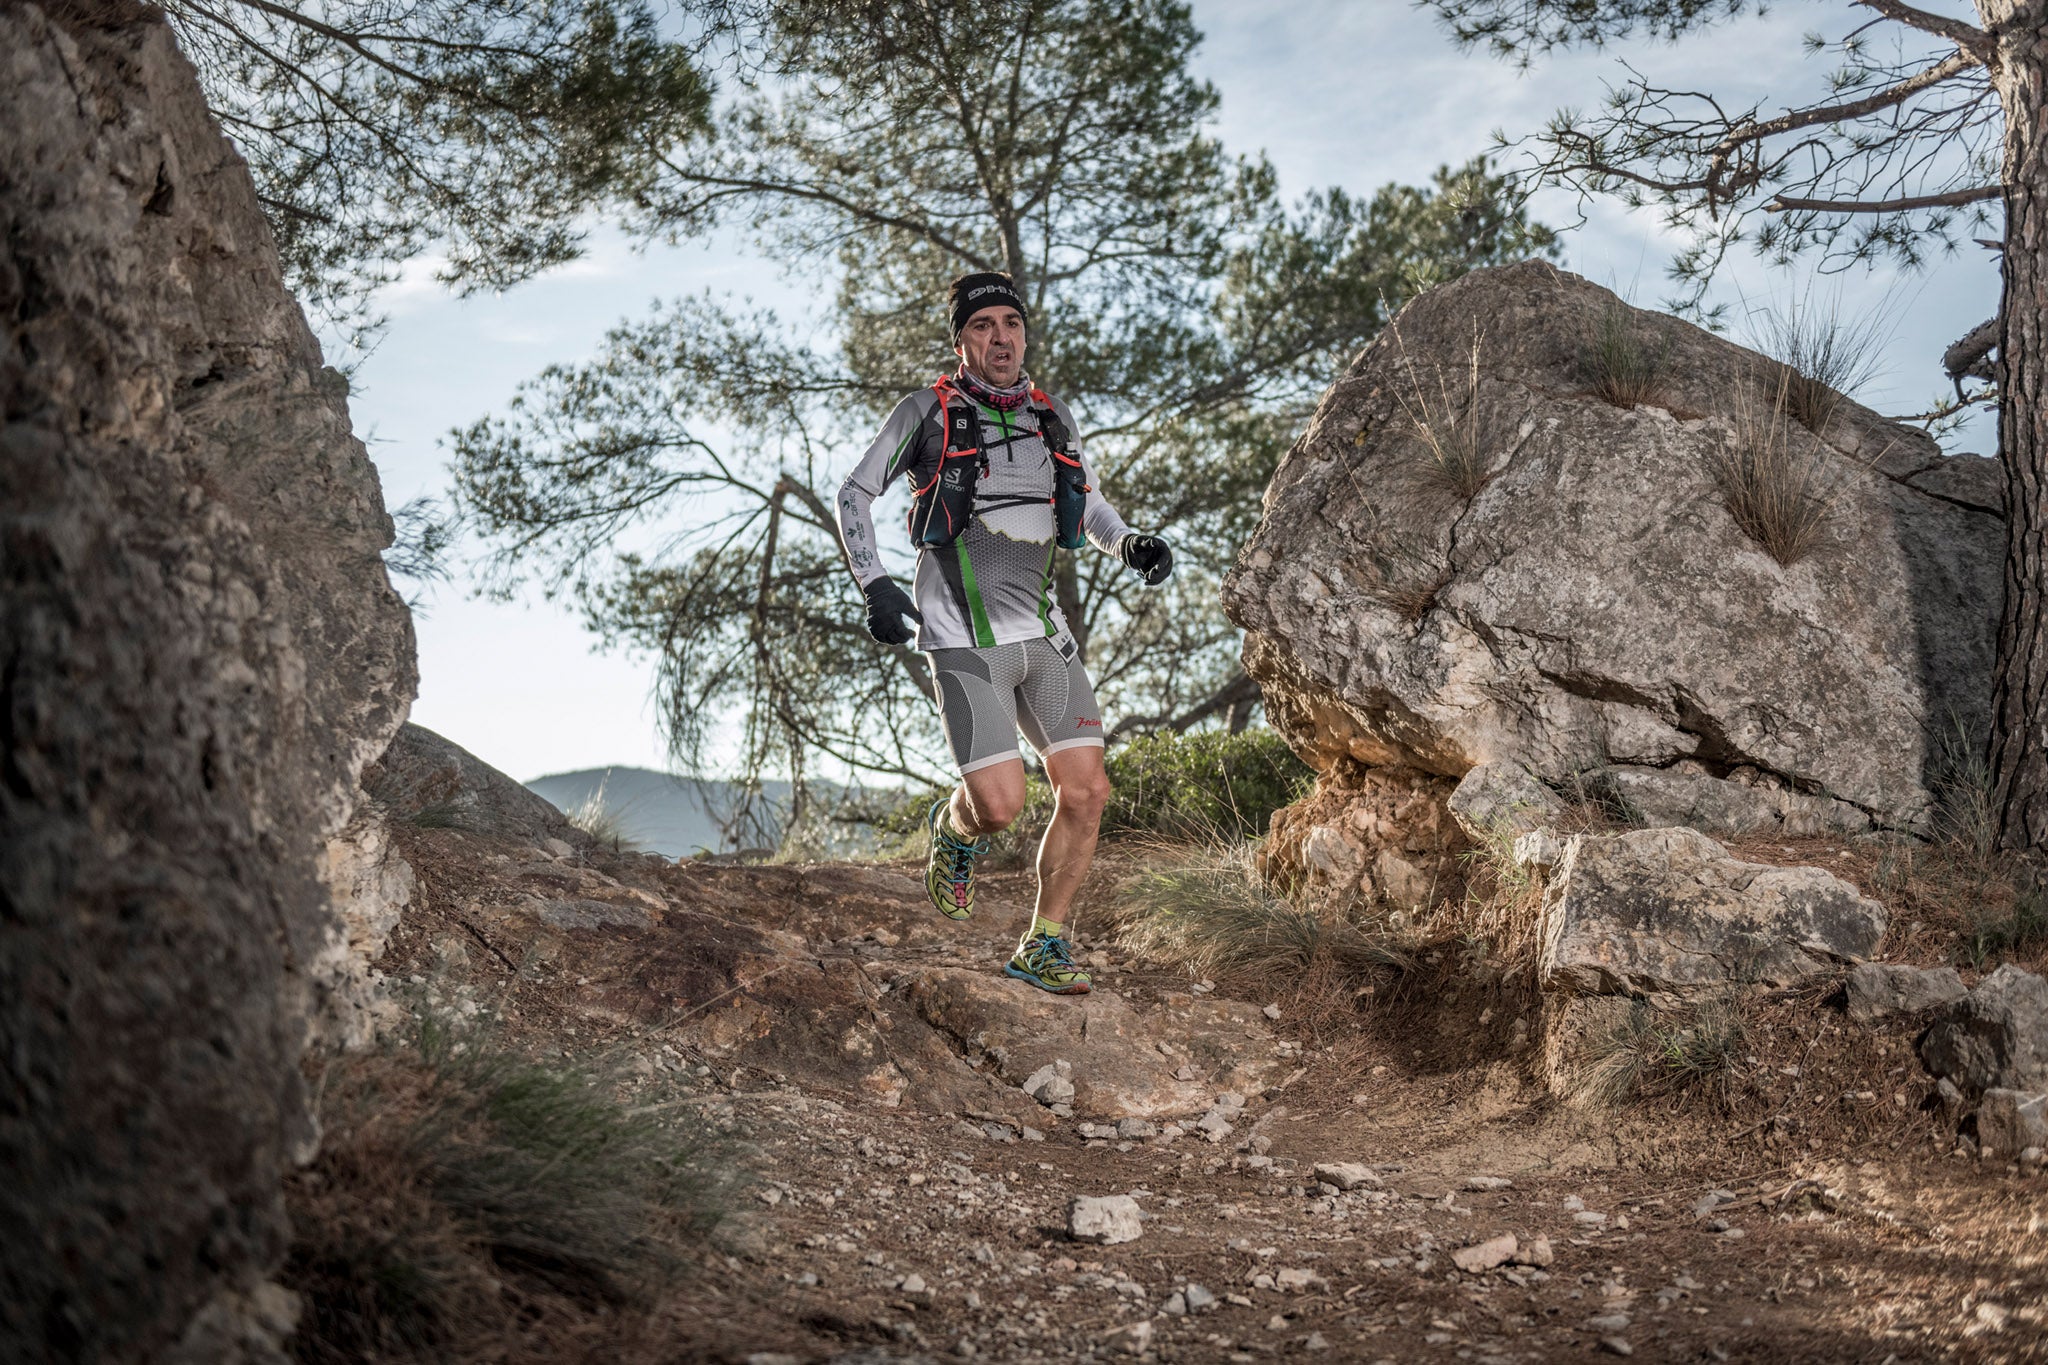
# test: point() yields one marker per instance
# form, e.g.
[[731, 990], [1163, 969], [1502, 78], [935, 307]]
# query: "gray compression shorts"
[[987, 695]]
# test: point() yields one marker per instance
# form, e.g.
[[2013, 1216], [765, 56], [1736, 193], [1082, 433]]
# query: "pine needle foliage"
[[1188, 314]]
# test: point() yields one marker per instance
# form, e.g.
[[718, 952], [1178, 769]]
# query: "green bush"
[[1209, 785]]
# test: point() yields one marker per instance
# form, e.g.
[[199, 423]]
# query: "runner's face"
[[992, 346]]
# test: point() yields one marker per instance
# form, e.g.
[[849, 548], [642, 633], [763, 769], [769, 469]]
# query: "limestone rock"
[[1503, 798], [1996, 1037], [1381, 834], [1668, 913], [1048, 1086], [1539, 848], [1685, 795], [2010, 1121], [1879, 991], [1347, 1175], [426, 780], [201, 653], [1486, 1255], [1107, 1220], [1594, 603]]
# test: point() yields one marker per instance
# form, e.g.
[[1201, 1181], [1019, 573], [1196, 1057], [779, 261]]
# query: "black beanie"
[[984, 289]]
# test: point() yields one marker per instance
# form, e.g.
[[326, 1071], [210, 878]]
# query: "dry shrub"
[[1621, 366], [1777, 487], [472, 1204]]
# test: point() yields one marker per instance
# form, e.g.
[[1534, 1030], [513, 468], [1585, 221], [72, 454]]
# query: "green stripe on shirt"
[[983, 636]]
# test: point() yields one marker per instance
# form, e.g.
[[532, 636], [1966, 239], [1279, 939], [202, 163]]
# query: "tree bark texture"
[[2019, 714]]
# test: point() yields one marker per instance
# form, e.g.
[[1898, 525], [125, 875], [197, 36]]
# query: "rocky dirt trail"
[[1373, 1181]]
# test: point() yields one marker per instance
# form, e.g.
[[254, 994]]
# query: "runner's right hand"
[[887, 606]]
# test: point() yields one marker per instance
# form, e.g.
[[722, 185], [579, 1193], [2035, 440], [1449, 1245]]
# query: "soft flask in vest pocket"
[[1069, 500], [942, 503], [1069, 486]]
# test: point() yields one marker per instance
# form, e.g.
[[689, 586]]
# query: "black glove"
[[1149, 555], [887, 606]]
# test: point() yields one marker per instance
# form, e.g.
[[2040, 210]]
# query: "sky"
[[1350, 93]]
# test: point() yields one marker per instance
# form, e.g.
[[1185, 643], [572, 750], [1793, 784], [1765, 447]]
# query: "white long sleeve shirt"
[[993, 585]]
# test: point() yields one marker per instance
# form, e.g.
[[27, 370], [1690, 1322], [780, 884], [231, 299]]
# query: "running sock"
[[1041, 925]]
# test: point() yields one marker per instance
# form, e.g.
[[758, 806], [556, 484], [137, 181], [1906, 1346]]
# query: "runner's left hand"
[[1150, 556]]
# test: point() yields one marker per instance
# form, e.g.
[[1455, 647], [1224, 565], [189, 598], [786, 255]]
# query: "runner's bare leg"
[[1080, 788]]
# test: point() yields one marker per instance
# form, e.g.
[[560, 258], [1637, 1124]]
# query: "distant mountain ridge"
[[659, 812]]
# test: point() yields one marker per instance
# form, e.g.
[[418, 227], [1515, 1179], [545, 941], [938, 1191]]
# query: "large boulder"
[[1668, 915], [199, 651], [1594, 606]]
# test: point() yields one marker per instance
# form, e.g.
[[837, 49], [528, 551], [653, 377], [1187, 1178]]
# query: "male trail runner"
[[1001, 655]]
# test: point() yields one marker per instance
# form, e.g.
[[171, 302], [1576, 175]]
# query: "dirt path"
[[889, 1224]]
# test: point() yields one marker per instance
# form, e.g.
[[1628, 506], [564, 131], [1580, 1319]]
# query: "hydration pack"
[[942, 482]]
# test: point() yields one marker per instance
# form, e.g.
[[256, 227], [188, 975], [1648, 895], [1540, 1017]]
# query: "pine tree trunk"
[[2019, 705]]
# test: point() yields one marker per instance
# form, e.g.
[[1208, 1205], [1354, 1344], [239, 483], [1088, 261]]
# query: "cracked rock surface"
[[199, 652], [1668, 914], [1594, 603]]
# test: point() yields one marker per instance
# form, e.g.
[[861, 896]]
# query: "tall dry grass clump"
[[1446, 423], [468, 1202], [1776, 483], [1648, 1052], [1503, 903], [1204, 908], [596, 816], [1621, 365], [1823, 355]]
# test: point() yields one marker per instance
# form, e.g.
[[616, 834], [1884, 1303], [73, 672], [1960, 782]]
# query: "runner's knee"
[[1084, 795], [994, 810]]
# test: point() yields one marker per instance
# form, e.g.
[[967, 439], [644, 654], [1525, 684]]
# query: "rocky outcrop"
[[1668, 915], [1878, 992], [423, 779], [1593, 605], [1383, 835], [1996, 1037], [199, 651]]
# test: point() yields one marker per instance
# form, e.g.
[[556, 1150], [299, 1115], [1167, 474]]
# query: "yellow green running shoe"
[[1047, 962], [949, 875]]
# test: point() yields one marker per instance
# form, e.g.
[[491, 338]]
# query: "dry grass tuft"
[[1823, 355], [1649, 1052], [1503, 903], [1621, 366], [471, 1204], [1454, 451], [596, 816], [1204, 909], [1778, 487]]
